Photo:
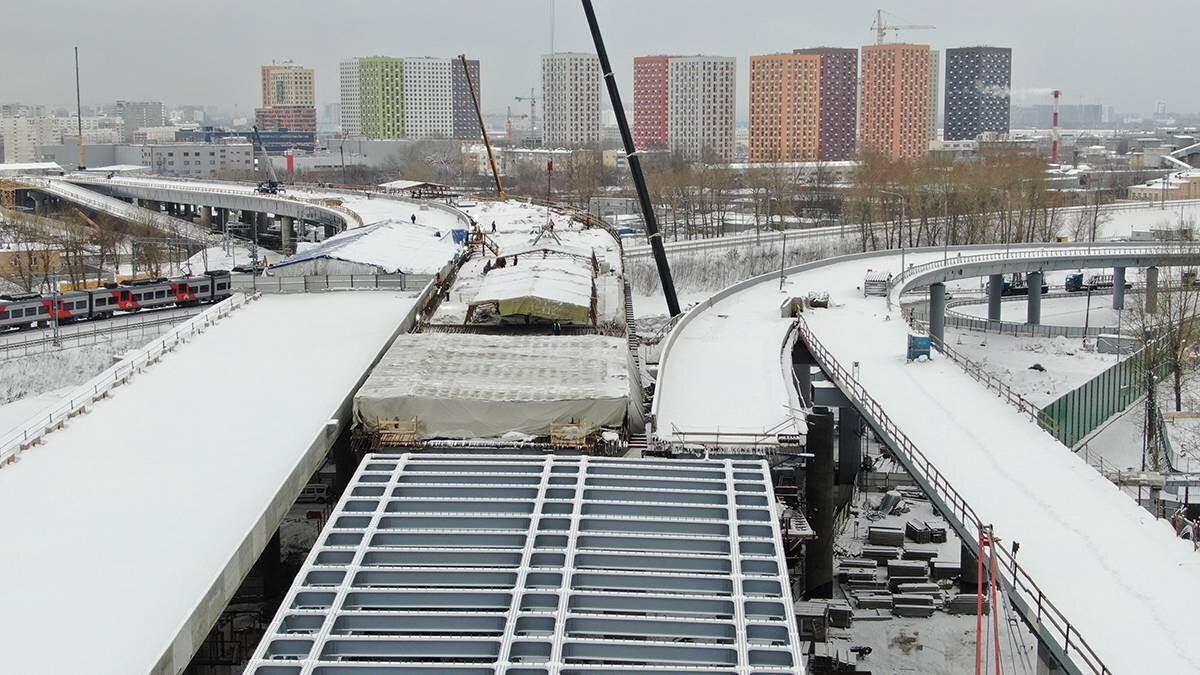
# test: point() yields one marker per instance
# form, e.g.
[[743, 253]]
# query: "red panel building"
[[290, 118], [651, 93]]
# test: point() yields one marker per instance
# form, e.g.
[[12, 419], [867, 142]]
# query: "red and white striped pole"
[[1054, 130]]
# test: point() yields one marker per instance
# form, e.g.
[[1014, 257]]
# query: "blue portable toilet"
[[918, 345], [459, 236]]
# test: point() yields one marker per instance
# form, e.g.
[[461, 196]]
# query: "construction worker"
[[493, 227], [414, 219]]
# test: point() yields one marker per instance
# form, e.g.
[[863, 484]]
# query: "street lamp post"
[[903, 218]]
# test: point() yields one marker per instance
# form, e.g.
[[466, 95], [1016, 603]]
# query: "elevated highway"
[[1106, 586]]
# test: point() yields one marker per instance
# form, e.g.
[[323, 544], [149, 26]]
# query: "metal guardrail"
[[1040, 610], [959, 320], [329, 282], [99, 387], [74, 193], [22, 344], [1067, 251]]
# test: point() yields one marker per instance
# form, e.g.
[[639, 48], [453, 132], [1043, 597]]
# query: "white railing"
[[79, 399], [329, 282], [105, 204]]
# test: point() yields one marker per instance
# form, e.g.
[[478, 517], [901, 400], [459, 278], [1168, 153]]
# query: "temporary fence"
[[151, 323], [1082, 410], [330, 282]]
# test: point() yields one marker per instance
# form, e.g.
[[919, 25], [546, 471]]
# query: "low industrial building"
[[1180, 185]]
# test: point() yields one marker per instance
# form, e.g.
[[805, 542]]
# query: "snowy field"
[[1067, 363], [1122, 578], [175, 469]]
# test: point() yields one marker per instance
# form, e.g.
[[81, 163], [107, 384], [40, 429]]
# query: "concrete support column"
[[818, 505], [270, 567], [287, 234], [39, 203], [1034, 281], [1046, 663], [345, 463], [1118, 288], [1151, 290], [995, 289], [206, 214], [248, 217], [849, 444], [937, 313], [261, 221], [968, 568], [802, 363]]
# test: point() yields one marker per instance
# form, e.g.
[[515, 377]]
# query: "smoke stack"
[[1054, 129]]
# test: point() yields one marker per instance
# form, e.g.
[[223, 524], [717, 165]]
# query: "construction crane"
[[508, 123], [483, 129], [882, 28], [532, 110], [272, 185]]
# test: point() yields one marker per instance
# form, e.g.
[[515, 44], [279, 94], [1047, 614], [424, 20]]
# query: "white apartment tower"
[[570, 99], [700, 109], [351, 100], [22, 138], [428, 105]]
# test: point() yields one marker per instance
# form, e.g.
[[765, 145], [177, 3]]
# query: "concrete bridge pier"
[[802, 363], [1151, 290], [39, 203], [287, 234], [1118, 288], [818, 489], [1034, 282], [849, 444], [206, 216], [995, 293], [968, 568], [937, 313]]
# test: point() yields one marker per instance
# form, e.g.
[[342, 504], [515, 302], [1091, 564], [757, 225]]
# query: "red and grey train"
[[32, 309]]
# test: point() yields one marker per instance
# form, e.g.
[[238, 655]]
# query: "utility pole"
[[79, 110], [635, 165]]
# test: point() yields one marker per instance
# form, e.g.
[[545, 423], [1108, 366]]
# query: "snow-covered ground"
[[1123, 579], [1066, 363], [227, 415]]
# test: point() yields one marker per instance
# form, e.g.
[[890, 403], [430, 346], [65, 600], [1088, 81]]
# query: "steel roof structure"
[[540, 565]]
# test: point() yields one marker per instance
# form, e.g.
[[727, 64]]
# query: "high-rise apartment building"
[[700, 108], [803, 105], [288, 85], [934, 98], [651, 97], [350, 106], [428, 108], [466, 120], [393, 97], [23, 137], [289, 98], [140, 115], [838, 92], [977, 92], [570, 99], [894, 115]]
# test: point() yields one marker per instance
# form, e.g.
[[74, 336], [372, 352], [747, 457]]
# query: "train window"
[[202, 289], [221, 287], [3, 315], [160, 294]]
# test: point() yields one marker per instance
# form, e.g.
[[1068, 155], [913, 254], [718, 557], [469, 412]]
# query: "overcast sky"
[[1119, 53]]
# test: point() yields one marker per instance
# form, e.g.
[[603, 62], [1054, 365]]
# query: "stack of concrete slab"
[[881, 553], [965, 603], [913, 605], [919, 553], [885, 536], [942, 569]]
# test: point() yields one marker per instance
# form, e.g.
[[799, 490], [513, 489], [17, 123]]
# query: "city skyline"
[[1064, 48]]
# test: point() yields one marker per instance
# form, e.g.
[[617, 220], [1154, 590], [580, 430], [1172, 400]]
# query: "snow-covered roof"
[[391, 245], [408, 184], [26, 167], [465, 385], [556, 288]]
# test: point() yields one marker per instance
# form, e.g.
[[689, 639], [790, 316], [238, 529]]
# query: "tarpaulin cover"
[[486, 386], [555, 288]]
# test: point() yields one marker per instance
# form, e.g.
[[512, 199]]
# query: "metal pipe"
[[635, 166]]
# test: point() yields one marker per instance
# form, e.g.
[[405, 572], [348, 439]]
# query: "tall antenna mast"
[[79, 110]]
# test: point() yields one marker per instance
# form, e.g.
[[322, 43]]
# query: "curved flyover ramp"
[[1107, 586]]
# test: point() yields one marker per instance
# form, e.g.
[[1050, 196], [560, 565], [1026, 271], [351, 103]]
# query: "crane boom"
[[483, 129], [272, 185], [881, 27]]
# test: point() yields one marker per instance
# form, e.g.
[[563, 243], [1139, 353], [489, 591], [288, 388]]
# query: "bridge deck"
[[129, 528], [1123, 580]]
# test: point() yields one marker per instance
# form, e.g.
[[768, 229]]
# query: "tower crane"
[[508, 123], [882, 28], [532, 109]]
